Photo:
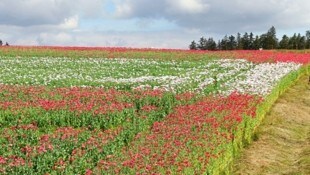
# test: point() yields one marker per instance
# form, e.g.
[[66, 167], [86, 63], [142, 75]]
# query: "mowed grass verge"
[[282, 145]]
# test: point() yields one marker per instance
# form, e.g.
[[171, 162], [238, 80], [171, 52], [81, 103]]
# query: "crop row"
[[163, 54], [204, 76]]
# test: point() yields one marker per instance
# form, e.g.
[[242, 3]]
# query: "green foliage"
[[250, 42]]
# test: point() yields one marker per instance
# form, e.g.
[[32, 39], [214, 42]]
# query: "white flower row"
[[222, 76], [261, 79]]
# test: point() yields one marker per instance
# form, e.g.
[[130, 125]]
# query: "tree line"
[[1, 43], [248, 41]]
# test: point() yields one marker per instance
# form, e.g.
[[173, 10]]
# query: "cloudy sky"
[[144, 23]]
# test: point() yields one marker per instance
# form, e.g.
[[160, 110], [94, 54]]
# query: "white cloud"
[[123, 10], [71, 22], [188, 6], [45, 12], [221, 16]]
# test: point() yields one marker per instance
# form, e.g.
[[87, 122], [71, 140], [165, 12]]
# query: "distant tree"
[[224, 43], [246, 41], [239, 41], [263, 41], [271, 39], [298, 40], [232, 43], [256, 43], [219, 46], [284, 43], [308, 39], [293, 42], [301, 42], [251, 41], [193, 46], [1, 43], [211, 44], [7, 44], [202, 44]]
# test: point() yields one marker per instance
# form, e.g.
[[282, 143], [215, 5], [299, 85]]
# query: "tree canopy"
[[6, 43], [249, 41]]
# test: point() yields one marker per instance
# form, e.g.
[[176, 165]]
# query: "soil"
[[282, 145]]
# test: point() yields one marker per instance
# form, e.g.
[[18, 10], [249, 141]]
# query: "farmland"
[[134, 111]]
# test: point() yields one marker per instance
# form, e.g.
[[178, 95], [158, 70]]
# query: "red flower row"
[[116, 52], [193, 132], [94, 100]]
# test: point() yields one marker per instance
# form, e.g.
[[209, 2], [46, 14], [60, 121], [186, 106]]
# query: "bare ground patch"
[[283, 144]]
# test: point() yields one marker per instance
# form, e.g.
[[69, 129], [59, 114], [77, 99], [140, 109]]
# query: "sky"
[[145, 23]]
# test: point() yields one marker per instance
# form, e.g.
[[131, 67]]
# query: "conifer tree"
[[284, 43], [193, 46]]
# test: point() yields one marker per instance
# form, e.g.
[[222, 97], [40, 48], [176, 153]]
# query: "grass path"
[[283, 139]]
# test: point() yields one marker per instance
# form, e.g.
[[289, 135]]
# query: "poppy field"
[[67, 110]]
